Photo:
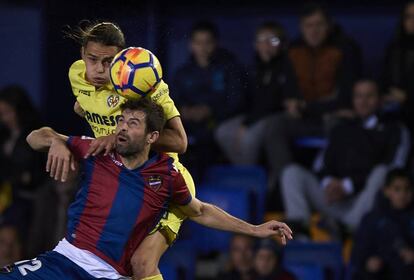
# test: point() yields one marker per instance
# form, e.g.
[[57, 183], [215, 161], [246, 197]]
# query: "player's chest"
[[103, 102]]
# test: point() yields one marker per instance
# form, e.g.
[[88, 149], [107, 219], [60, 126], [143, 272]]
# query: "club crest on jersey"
[[112, 101], [155, 182]]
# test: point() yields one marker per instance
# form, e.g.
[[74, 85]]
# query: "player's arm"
[[212, 216], [78, 109], [60, 158], [42, 139], [172, 138]]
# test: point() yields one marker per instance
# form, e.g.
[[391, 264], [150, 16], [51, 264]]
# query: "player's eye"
[[133, 123], [106, 63], [93, 59]]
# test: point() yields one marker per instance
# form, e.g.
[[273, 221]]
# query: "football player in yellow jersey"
[[98, 103]]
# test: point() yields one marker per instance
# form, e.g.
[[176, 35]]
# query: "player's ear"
[[153, 137]]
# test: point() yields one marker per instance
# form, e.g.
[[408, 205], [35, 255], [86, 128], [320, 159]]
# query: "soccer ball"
[[135, 73]]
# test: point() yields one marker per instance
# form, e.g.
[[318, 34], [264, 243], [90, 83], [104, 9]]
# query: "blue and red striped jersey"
[[115, 207]]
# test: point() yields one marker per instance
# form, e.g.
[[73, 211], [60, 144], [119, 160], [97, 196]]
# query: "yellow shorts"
[[170, 224]]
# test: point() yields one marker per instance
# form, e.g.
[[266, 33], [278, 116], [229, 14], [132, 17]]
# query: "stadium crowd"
[[332, 140]]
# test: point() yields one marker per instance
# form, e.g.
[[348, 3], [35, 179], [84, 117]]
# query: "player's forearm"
[[41, 139], [171, 141], [214, 217]]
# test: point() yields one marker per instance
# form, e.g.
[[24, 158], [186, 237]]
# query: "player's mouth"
[[122, 138], [99, 81]]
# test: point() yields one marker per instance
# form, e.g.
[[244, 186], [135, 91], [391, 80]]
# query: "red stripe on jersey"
[[98, 204]]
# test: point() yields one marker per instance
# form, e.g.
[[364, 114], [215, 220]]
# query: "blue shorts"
[[48, 266]]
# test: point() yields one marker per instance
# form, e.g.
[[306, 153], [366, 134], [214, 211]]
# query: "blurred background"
[[318, 94]]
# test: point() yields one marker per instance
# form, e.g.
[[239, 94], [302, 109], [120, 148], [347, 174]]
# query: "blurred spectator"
[[325, 63], [354, 164], [10, 246], [399, 68], [242, 137], [207, 89], [384, 244], [267, 262], [240, 266], [22, 169]]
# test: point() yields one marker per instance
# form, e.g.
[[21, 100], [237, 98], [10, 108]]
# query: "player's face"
[[131, 135], [409, 19], [265, 262], [203, 44], [365, 98], [98, 58], [267, 44], [399, 192], [315, 29]]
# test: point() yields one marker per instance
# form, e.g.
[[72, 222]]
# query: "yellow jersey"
[[103, 106]]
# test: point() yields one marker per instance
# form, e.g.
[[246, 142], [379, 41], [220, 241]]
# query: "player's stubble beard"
[[131, 148]]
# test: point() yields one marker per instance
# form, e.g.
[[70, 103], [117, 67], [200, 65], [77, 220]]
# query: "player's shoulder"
[[77, 70], [161, 91], [162, 163], [79, 140]]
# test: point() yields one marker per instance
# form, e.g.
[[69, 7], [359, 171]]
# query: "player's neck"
[[135, 161]]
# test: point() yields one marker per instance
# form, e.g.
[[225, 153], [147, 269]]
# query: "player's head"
[[398, 188], [365, 98], [267, 257], [100, 43], [204, 39], [270, 37], [138, 126], [241, 252], [315, 24]]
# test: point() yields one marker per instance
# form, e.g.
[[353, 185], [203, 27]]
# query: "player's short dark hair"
[[154, 113], [312, 8], [275, 27], [106, 33], [396, 173], [205, 26]]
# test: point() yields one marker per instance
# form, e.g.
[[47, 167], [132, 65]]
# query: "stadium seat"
[[168, 271], [179, 261], [306, 271], [234, 201], [250, 177], [311, 142], [326, 255]]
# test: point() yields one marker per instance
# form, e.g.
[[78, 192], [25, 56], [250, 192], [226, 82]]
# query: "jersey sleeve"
[[162, 97], [180, 193], [76, 73], [78, 146]]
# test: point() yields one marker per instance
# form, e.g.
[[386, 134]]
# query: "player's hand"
[[274, 228], [100, 144], [59, 160]]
